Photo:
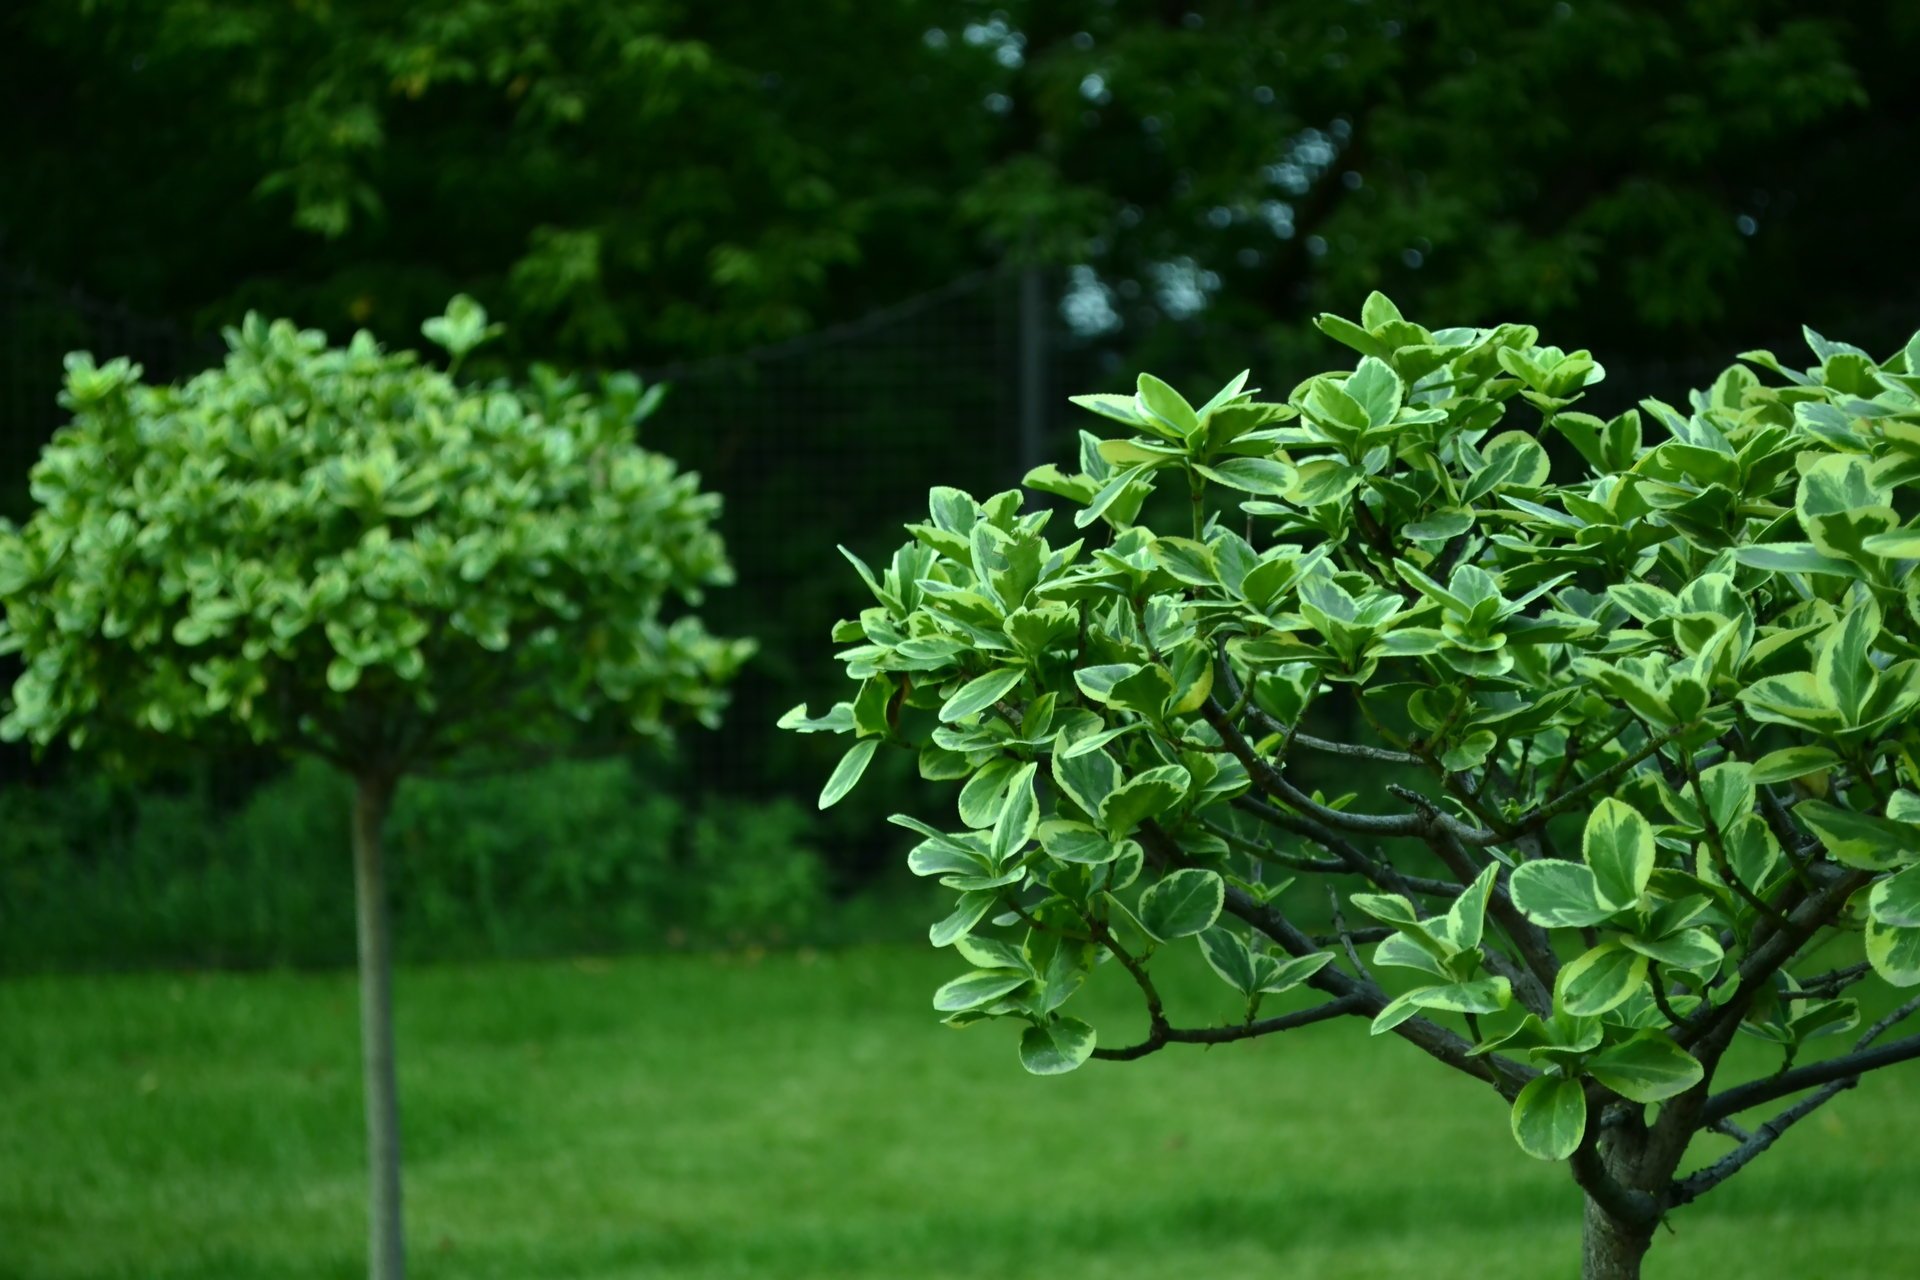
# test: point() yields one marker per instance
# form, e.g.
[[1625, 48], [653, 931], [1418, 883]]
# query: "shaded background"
[[873, 247]]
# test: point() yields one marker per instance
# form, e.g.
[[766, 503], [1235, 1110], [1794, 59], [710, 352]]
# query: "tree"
[[1636, 732], [343, 551], [1205, 161]]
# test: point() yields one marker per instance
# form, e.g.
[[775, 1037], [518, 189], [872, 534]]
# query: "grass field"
[[805, 1116]]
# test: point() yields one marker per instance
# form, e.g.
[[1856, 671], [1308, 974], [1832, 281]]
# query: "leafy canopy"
[[1641, 738], [346, 550]]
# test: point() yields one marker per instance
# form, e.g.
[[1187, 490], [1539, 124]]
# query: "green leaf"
[[1789, 763], [1263, 476], [1646, 1068], [1163, 403], [848, 771], [1485, 995], [978, 694], [1184, 903], [1470, 751], [992, 953], [1274, 976], [1147, 796], [985, 793], [1189, 561], [1858, 839], [1078, 843], [981, 987], [1896, 901], [1346, 331], [1550, 1117], [1087, 778], [1843, 662], [1119, 408], [1057, 1046], [971, 908], [1407, 951], [1792, 557], [1019, 818], [1145, 692], [1602, 979], [1901, 544], [1466, 918], [1227, 955], [1894, 953], [1109, 495], [1557, 894], [1729, 791], [1796, 699], [1688, 949], [1618, 846], [1377, 389]]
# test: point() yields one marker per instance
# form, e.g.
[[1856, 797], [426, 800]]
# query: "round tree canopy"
[[344, 550]]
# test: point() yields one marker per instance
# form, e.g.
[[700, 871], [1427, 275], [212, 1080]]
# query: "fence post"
[[1033, 368]]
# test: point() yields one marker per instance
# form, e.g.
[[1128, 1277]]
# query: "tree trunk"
[[386, 1249], [1611, 1249]]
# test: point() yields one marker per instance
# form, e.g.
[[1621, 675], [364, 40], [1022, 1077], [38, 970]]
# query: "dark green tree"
[[645, 177]]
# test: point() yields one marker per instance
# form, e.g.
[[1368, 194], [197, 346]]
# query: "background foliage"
[[561, 860], [647, 183]]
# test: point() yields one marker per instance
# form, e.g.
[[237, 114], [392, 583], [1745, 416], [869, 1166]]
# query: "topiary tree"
[[344, 551], [1621, 732]]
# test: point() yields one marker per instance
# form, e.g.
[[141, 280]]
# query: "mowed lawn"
[[806, 1116]]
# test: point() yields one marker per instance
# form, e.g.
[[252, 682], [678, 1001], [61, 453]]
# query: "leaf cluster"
[[344, 549]]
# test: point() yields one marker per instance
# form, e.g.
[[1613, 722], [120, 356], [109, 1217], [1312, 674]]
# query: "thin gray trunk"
[[386, 1248]]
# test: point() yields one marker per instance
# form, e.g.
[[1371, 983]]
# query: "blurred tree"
[[633, 178], [342, 552]]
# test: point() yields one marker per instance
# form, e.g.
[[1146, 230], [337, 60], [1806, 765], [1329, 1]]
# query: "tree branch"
[[1357, 861], [1355, 750], [1623, 1204], [1806, 919], [1503, 1074], [1847, 1066], [1692, 1187], [1160, 1035]]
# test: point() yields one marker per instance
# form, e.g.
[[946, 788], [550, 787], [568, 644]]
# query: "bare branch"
[[1503, 1074], [1357, 861], [1847, 1066], [1692, 1187], [1360, 937], [1812, 914], [1824, 986], [1274, 783], [1160, 1035], [1346, 935], [1279, 857], [1355, 750]]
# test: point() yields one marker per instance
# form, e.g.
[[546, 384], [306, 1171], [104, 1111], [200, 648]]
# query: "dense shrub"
[[567, 859]]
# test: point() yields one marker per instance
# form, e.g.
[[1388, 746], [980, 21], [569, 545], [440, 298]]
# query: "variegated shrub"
[[1634, 715]]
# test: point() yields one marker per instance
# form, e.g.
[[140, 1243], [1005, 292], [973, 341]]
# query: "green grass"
[[805, 1117]]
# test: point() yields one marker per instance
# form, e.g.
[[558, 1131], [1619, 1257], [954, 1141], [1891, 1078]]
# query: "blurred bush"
[[567, 859]]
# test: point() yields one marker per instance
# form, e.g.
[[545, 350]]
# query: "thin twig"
[[1161, 1035], [1346, 936], [1854, 1064]]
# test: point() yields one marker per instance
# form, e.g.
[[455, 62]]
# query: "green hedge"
[[569, 859]]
